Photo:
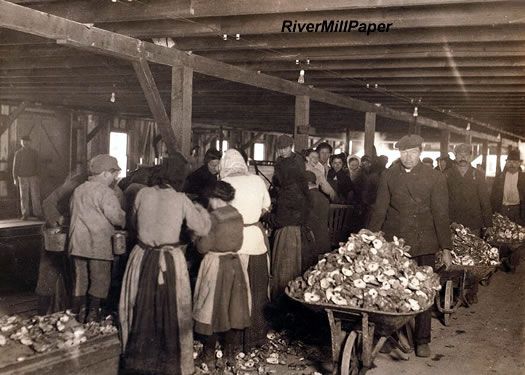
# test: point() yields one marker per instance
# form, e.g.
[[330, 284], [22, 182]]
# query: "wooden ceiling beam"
[[481, 14], [437, 50], [314, 40], [415, 72], [93, 12]]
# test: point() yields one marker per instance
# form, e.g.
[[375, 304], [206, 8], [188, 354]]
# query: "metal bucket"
[[119, 242], [55, 239]]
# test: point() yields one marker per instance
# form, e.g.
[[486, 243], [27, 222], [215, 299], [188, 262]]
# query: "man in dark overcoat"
[[469, 202], [412, 203]]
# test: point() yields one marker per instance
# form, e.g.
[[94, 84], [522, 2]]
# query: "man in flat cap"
[[508, 198], [469, 202], [412, 203], [25, 176], [291, 210]]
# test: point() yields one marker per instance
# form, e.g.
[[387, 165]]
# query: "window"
[[258, 151], [224, 145], [118, 148]]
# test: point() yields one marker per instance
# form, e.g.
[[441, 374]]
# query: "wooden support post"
[[468, 139], [498, 158], [6, 121], [484, 155], [156, 106], [370, 129], [181, 107], [445, 139], [252, 140], [302, 122], [234, 138], [221, 139], [347, 142]]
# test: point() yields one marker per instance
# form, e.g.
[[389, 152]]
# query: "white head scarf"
[[232, 163]]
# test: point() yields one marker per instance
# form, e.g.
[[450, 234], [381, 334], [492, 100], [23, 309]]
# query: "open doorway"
[[118, 148]]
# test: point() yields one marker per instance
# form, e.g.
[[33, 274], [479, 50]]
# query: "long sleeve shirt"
[[95, 210], [25, 163], [160, 213]]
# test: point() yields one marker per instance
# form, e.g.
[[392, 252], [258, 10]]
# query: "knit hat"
[[514, 155], [212, 154]]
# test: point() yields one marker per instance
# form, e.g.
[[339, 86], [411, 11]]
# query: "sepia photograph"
[[262, 187]]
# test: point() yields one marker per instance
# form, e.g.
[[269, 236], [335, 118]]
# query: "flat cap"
[[409, 141], [212, 154], [463, 148], [428, 160], [102, 163], [284, 141]]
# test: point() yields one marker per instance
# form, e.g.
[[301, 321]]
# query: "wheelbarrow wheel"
[[449, 301], [349, 360]]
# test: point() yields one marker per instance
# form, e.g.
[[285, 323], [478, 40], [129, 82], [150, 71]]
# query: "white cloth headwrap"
[[232, 163]]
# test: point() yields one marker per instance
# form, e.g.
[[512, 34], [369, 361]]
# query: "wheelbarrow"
[[354, 350], [454, 282]]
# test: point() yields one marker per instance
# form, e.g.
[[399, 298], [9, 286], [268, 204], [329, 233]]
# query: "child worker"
[[221, 303], [95, 211]]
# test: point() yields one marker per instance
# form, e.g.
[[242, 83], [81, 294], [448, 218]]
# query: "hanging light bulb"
[[308, 61], [499, 137], [224, 36], [237, 36], [415, 112], [113, 1], [112, 99], [301, 76], [468, 126], [296, 62]]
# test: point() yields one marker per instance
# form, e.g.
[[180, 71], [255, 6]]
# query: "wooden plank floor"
[[17, 223], [25, 304]]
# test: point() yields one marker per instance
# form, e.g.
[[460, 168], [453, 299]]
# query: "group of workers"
[[162, 301]]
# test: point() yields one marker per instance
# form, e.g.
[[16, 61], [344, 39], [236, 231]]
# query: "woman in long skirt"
[[155, 306], [251, 200]]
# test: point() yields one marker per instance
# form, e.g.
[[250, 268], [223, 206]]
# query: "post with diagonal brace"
[[181, 103]]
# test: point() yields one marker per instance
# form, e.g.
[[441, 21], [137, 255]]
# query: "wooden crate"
[[99, 356]]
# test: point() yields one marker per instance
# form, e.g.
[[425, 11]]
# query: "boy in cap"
[[412, 203], [203, 177], [25, 176], [95, 210]]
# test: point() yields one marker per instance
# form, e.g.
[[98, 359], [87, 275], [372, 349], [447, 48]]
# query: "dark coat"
[[469, 202], [496, 196], [414, 206], [198, 181], [292, 191], [341, 183]]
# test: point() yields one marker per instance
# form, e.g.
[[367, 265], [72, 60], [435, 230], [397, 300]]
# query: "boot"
[[79, 308], [232, 344], [208, 352], [93, 314], [44, 303]]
